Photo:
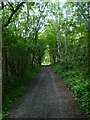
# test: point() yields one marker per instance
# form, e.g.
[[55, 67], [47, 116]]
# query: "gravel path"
[[46, 97]]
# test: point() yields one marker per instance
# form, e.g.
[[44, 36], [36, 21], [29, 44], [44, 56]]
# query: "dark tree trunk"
[[39, 60], [89, 51], [5, 62], [89, 39], [12, 67], [32, 61], [54, 59]]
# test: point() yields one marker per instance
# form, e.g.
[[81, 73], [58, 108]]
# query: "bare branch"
[[12, 8], [13, 13]]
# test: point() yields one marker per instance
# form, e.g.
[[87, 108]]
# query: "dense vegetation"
[[77, 81], [36, 33]]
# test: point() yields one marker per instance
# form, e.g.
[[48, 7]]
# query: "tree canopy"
[[37, 32]]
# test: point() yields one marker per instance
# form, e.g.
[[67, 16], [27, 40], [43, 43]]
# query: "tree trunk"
[[58, 30], [54, 59], [65, 40], [89, 39], [5, 62], [32, 61]]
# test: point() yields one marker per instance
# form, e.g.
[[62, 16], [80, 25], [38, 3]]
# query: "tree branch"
[[13, 13], [1, 5], [12, 8], [82, 13]]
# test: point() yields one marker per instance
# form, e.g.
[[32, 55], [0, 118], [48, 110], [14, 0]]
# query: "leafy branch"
[[13, 12]]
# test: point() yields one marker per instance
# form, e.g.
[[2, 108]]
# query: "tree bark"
[[89, 39], [65, 40], [58, 31], [5, 62]]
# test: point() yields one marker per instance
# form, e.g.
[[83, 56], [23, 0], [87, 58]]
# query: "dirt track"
[[46, 97]]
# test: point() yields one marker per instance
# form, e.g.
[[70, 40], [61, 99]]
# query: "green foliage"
[[19, 85], [74, 77], [25, 41], [23, 48]]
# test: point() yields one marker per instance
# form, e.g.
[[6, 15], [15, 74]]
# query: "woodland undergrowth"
[[16, 89], [77, 80]]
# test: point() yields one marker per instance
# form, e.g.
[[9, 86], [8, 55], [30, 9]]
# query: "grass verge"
[[78, 82]]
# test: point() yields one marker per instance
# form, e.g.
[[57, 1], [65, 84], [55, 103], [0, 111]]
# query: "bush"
[[19, 85], [77, 82]]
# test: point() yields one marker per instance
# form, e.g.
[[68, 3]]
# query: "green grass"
[[78, 82], [16, 89]]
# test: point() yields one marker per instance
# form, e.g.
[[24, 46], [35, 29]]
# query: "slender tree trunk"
[[54, 59], [89, 38], [65, 40], [5, 59], [58, 30], [32, 61]]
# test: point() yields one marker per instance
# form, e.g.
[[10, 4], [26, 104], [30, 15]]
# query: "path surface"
[[46, 97]]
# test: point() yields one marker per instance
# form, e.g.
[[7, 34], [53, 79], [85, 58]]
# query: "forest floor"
[[46, 97]]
